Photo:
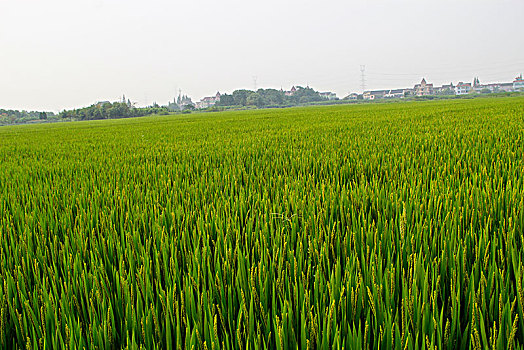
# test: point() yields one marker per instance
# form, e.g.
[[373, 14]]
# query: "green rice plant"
[[385, 225]]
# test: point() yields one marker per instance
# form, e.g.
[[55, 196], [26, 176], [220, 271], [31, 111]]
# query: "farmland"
[[387, 225]]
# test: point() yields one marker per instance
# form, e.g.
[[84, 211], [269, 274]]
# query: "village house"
[[518, 83], [462, 88], [291, 92], [373, 95], [210, 101], [328, 95], [423, 89], [449, 86], [493, 87], [396, 93], [444, 89], [351, 96], [506, 87]]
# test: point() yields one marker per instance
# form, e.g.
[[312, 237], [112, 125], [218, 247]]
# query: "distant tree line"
[[270, 97], [108, 110], [125, 109], [8, 116]]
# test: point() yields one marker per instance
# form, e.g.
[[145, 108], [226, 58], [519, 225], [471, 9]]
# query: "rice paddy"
[[368, 226]]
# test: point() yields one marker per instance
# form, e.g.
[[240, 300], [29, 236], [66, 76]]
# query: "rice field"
[[394, 226]]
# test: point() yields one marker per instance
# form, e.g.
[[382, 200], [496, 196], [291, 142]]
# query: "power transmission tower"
[[363, 77], [255, 82]]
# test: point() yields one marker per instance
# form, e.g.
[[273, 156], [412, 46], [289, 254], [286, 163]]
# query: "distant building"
[[462, 88], [291, 92], [396, 93], [477, 86], [183, 101], [493, 87], [446, 89], [351, 96], [506, 87], [409, 92], [423, 89], [210, 101], [328, 95], [518, 83], [374, 95], [449, 86]]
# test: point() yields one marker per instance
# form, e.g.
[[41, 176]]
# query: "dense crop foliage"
[[391, 226]]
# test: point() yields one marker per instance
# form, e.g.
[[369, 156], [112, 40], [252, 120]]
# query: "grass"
[[393, 226]]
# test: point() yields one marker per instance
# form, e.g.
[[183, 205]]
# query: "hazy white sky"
[[58, 54]]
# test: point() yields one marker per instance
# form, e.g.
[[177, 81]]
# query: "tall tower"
[[363, 77]]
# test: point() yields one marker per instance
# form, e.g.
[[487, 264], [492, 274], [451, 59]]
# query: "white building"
[[518, 83], [207, 102], [396, 93], [328, 95], [462, 88], [352, 96], [373, 95], [506, 87]]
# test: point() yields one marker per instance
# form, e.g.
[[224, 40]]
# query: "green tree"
[[254, 99], [226, 100], [240, 97], [272, 97]]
